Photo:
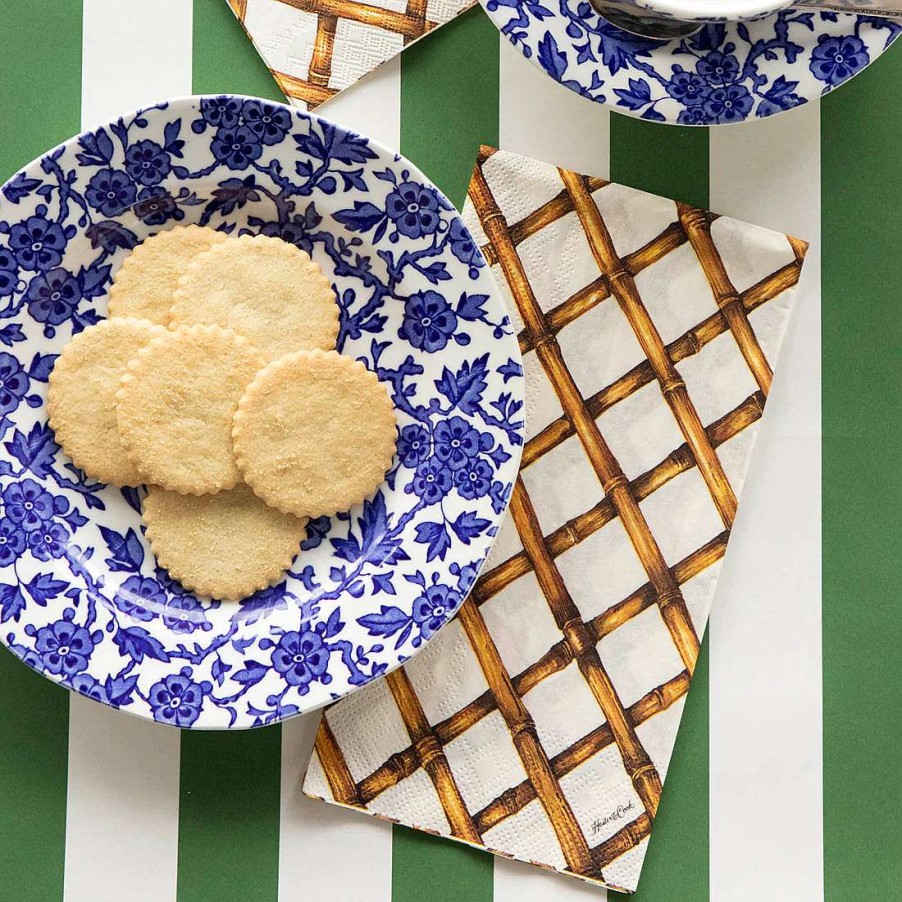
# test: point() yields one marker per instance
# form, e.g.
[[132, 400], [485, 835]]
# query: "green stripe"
[[449, 100], [229, 782], [40, 71], [428, 868], [449, 106], [34, 733], [225, 61], [229, 816], [663, 159], [862, 447], [674, 162]]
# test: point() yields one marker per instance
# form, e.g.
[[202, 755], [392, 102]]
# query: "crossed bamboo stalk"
[[315, 88]]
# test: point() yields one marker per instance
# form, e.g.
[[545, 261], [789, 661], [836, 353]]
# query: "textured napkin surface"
[[540, 723], [316, 48]]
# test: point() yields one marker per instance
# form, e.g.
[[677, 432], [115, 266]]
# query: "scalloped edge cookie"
[[226, 546], [314, 433], [264, 288], [81, 396], [144, 285], [194, 375]]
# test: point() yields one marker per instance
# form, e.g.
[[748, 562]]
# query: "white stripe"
[[122, 807], [134, 53], [544, 120], [325, 851], [372, 106], [765, 684], [516, 881], [541, 119], [123, 790]]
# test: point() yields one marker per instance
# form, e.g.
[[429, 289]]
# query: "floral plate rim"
[[580, 50]]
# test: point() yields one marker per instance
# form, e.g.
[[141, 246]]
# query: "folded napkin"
[[316, 48], [539, 724]]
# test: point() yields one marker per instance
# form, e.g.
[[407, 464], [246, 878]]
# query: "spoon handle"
[[885, 8]]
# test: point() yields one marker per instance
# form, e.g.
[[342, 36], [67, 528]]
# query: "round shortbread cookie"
[[228, 545], [314, 433], [149, 275], [81, 396], [175, 406], [265, 289]]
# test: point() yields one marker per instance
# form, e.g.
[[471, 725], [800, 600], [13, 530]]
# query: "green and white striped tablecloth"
[[785, 784]]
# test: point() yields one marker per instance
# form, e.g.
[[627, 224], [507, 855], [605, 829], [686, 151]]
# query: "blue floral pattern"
[[81, 599], [727, 72]]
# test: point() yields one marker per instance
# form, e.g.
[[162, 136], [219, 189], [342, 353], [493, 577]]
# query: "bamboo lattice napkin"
[[540, 723], [316, 48]]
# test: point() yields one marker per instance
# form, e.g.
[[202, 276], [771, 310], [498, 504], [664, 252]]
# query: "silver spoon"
[[644, 24]]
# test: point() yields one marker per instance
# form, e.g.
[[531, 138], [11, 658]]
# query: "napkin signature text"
[[620, 812]]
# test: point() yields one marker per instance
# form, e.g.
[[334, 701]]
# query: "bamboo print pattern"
[[321, 79], [672, 385], [335, 767], [580, 647], [526, 739], [431, 757], [613, 481], [698, 229]]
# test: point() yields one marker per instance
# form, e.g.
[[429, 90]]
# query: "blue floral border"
[[727, 72]]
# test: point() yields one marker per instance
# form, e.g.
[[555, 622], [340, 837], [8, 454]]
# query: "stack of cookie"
[[215, 382]]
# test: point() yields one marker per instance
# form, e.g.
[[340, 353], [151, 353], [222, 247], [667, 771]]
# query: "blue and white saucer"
[[727, 72]]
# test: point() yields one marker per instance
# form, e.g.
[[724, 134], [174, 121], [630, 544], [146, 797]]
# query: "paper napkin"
[[316, 48], [539, 724]]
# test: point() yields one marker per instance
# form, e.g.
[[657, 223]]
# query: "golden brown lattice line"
[[613, 481], [698, 229], [598, 290], [320, 70], [799, 247], [408, 26], [642, 374], [673, 387], [404, 764], [416, 9], [583, 525], [239, 7], [559, 655], [622, 612], [535, 761], [515, 799], [622, 841], [431, 757], [300, 89], [551, 211], [335, 768], [670, 239], [578, 639]]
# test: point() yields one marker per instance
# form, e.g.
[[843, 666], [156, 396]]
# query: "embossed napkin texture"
[[316, 48], [539, 724]]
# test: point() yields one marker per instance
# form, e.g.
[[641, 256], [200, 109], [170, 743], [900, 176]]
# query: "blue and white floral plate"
[[80, 598], [727, 72]]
